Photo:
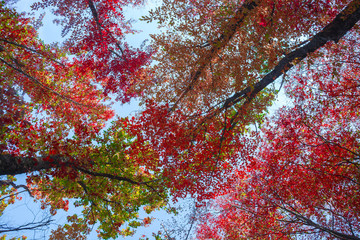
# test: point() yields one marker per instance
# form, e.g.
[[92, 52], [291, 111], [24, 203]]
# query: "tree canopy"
[[206, 85]]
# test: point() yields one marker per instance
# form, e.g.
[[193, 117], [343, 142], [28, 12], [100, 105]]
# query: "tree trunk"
[[12, 165]]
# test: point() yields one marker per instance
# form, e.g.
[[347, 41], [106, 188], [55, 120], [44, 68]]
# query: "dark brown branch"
[[12, 165], [95, 15], [118, 178], [334, 31], [311, 223], [110, 176], [97, 21], [82, 184], [8, 182], [28, 226], [13, 194]]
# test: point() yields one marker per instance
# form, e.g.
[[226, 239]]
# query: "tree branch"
[[114, 177], [8, 182], [97, 21], [28, 226], [334, 31], [311, 223]]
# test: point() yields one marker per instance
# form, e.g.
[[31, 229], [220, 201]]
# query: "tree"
[[216, 64], [303, 179], [213, 81], [52, 111], [210, 87]]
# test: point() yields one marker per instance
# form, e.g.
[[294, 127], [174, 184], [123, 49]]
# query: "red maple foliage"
[[304, 178], [97, 32]]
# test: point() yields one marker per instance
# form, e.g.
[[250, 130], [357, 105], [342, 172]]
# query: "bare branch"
[[28, 226]]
